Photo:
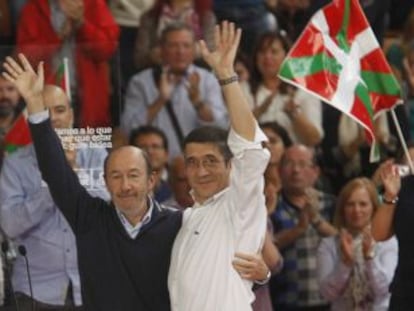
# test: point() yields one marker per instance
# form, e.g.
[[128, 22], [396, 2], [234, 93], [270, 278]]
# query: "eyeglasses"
[[208, 162]]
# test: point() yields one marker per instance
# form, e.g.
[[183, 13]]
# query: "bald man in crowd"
[[30, 217]]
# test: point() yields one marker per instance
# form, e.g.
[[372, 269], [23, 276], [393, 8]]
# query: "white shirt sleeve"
[[247, 205], [38, 117]]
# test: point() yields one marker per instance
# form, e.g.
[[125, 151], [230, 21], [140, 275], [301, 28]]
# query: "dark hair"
[[263, 42], [244, 59], [279, 130], [311, 150], [401, 156], [200, 7], [173, 27], [213, 135], [146, 130], [144, 154]]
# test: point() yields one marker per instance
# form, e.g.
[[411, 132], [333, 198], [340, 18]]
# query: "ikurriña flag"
[[18, 135], [61, 77], [338, 59]]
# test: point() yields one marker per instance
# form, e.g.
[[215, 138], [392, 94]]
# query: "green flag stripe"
[[298, 67], [60, 73], [342, 34], [382, 83], [11, 148], [303, 66], [362, 92]]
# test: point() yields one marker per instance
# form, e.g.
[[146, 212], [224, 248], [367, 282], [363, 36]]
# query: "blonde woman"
[[354, 271]]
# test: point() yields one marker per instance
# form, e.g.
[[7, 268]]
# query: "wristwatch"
[[393, 201], [266, 280]]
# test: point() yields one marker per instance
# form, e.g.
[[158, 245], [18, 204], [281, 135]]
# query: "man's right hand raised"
[[29, 83], [221, 60]]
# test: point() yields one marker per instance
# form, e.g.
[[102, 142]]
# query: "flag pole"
[[403, 143], [67, 81]]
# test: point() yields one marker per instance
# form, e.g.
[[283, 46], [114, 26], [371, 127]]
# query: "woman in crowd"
[[273, 100], [354, 271], [278, 140], [197, 14]]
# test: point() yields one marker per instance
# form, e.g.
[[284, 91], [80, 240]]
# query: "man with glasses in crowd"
[[300, 221]]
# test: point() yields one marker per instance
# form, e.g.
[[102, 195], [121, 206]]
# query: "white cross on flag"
[[338, 59]]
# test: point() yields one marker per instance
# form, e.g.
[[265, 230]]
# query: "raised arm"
[[221, 60], [382, 228]]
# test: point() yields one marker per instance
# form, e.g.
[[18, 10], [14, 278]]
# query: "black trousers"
[[400, 303]]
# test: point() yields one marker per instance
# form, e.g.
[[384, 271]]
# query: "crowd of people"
[[225, 188]]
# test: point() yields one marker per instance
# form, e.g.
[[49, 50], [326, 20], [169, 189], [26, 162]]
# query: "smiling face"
[[356, 204], [128, 180], [207, 171], [358, 210], [269, 57], [178, 50]]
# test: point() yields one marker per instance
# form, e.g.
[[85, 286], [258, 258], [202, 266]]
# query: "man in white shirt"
[[229, 213]]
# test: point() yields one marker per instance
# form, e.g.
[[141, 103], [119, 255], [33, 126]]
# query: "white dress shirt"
[[201, 275]]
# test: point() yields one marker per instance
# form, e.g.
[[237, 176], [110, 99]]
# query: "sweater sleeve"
[[69, 195]]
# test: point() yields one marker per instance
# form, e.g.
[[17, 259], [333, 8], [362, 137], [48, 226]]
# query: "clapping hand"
[[312, 202], [368, 243], [193, 87], [347, 248], [166, 84]]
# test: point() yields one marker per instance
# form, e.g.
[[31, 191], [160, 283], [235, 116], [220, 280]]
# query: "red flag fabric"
[[338, 59], [18, 135]]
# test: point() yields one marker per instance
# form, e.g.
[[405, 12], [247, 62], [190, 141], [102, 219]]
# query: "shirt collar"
[[210, 200], [134, 230]]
